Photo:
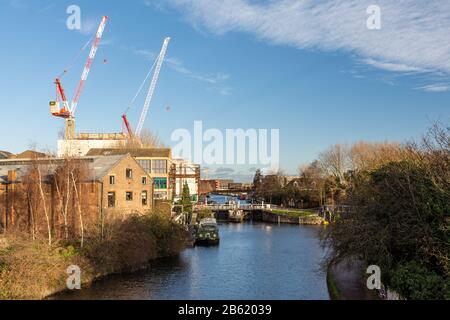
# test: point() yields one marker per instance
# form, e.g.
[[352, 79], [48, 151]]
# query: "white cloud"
[[89, 25], [212, 78], [394, 67], [437, 87], [414, 35], [176, 64]]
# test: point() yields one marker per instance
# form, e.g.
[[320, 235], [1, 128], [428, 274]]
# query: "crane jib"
[[148, 99], [89, 61]]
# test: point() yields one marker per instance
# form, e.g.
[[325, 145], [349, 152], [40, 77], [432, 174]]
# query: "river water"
[[252, 261]]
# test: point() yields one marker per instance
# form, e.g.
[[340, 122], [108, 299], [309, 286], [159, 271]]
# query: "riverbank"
[[32, 269], [291, 217], [345, 281]]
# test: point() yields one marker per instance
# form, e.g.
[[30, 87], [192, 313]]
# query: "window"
[[159, 166], [129, 173], [144, 198], [160, 195], [111, 199], [146, 165], [160, 183], [112, 179], [144, 180], [129, 196]]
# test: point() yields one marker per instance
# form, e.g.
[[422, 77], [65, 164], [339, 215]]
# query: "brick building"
[[155, 161], [207, 186], [109, 186]]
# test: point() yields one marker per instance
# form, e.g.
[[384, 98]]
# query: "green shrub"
[[413, 281], [204, 213]]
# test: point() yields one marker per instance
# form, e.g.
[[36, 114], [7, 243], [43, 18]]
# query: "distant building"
[[207, 186], [5, 154], [282, 180], [29, 154], [287, 179], [234, 186], [223, 184], [184, 172], [84, 142]]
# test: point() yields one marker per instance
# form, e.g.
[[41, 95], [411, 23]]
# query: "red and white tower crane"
[[68, 112]]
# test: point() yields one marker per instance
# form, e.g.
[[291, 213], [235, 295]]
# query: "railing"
[[224, 207]]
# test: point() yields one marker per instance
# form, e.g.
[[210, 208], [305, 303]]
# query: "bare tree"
[[78, 200], [367, 156], [44, 203], [335, 160], [147, 139]]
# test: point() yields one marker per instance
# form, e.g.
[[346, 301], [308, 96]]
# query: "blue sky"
[[311, 69]]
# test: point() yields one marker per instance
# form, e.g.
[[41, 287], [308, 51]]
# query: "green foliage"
[[292, 213], [333, 290], [413, 281], [204, 213], [69, 252], [398, 216], [186, 199]]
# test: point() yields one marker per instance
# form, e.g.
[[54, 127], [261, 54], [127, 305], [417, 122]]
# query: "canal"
[[252, 261]]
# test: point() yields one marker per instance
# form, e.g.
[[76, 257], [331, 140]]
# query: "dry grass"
[[33, 269]]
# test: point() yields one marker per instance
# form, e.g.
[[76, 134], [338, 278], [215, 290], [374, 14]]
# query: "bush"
[[204, 213], [413, 281], [398, 216]]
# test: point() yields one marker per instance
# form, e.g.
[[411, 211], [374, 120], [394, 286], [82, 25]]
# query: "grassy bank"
[[292, 213], [333, 290], [32, 269]]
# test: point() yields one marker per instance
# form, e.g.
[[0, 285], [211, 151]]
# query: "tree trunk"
[[45, 206], [79, 210]]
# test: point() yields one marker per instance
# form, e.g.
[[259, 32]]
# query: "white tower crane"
[[148, 99]]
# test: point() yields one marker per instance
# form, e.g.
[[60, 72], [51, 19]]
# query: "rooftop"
[[99, 166], [136, 153]]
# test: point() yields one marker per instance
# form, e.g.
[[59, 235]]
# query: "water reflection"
[[253, 261]]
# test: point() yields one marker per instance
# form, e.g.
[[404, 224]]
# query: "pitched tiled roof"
[[98, 166], [5, 154], [101, 165]]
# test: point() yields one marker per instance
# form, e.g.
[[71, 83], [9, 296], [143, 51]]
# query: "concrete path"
[[350, 283]]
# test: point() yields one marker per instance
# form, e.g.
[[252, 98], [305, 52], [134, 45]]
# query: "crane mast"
[[152, 87]]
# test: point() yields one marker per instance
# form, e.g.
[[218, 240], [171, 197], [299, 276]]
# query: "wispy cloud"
[[212, 78], [156, 4], [394, 67], [89, 25], [216, 79], [413, 37], [437, 87]]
